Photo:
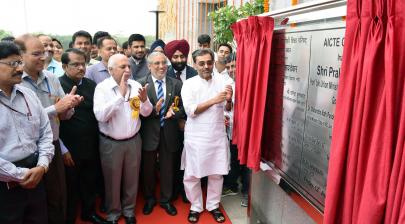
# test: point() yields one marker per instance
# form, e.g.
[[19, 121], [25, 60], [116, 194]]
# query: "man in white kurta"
[[120, 144], [206, 151]]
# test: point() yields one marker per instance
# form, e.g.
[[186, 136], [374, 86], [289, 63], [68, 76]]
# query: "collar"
[[111, 83], [53, 63], [101, 67], [184, 71], [137, 62], [215, 71], [154, 79], [16, 89], [42, 76], [72, 81]]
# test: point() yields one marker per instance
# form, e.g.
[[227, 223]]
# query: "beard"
[[179, 66]]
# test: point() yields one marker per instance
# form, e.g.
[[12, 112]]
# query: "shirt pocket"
[[30, 127]]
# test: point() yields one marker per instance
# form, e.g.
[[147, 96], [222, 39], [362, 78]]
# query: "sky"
[[64, 17]]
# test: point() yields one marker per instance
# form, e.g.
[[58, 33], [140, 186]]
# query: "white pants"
[[192, 187]]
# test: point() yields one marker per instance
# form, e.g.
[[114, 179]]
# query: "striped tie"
[[159, 96]]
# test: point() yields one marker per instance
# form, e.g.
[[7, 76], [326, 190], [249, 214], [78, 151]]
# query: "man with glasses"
[[25, 144], [206, 150], [80, 135], [160, 134], [107, 47], [118, 103], [59, 107]]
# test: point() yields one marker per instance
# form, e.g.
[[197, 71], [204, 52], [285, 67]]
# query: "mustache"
[[17, 74]]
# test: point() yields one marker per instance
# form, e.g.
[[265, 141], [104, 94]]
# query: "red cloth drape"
[[253, 37], [367, 161]]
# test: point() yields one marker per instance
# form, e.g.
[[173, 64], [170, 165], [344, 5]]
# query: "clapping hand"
[[143, 94]]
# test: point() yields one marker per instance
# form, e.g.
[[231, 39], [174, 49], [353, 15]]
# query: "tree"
[[224, 17], [4, 33]]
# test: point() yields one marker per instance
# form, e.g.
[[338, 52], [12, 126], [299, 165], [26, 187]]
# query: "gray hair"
[[154, 54], [112, 61]]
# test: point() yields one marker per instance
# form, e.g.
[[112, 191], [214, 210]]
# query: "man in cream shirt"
[[120, 143]]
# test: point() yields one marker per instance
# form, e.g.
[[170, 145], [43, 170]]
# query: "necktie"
[[178, 75], [159, 96]]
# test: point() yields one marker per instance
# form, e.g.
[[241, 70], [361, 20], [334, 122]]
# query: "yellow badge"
[[135, 105], [176, 104]]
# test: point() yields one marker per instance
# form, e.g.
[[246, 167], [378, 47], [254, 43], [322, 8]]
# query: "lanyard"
[[28, 114], [36, 87], [129, 95]]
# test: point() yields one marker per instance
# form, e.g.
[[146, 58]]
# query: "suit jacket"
[[190, 72], [150, 128], [80, 133], [140, 70]]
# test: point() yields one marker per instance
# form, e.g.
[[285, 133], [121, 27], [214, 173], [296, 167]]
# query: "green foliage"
[[224, 17], [4, 33]]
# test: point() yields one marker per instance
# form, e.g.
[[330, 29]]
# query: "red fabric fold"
[[253, 37], [367, 161]]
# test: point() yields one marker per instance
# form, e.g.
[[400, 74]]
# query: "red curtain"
[[367, 161], [253, 37]]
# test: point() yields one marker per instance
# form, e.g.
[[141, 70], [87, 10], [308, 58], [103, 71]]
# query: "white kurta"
[[206, 150]]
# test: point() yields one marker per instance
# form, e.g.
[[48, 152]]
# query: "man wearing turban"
[[177, 52], [158, 46]]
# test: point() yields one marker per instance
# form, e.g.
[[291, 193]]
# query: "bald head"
[[118, 67], [33, 53], [112, 61]]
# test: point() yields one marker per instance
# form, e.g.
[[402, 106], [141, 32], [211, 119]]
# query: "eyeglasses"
[[156, 63], [13, 64], [77, 65], [203, 63]]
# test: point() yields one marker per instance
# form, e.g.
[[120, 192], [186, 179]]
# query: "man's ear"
[[64, 66]]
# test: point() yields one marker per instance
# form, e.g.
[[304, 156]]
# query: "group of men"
[[97, 125]]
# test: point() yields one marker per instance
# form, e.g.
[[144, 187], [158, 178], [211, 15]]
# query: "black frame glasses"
[[13, 64]]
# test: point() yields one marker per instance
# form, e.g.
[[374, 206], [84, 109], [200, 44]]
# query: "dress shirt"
[[183, 75], [48, 89], [97, 72], [113, 111], [55, 68], [23, 134], [92, 62], [157, 86], [223, 73]]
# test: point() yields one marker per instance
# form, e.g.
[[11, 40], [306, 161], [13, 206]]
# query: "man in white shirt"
[[206, 150], [224, 50], [118, 103]]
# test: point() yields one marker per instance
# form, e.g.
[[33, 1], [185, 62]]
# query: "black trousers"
[[19, 205], [231, 180], [166, 171], [55, 186], [178, 173], [81, 181]]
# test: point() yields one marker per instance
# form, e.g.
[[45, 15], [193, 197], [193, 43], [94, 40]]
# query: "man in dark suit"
[[160, 133], [80, 135], [177, 52]]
